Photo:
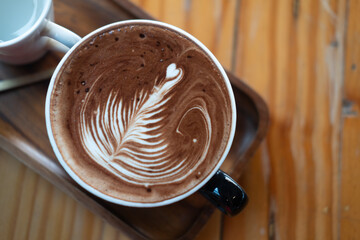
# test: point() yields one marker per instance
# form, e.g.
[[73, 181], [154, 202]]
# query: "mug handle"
[[58, 37], [223, 192]]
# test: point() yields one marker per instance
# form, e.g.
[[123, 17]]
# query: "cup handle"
[[222, 191], [58, 37]]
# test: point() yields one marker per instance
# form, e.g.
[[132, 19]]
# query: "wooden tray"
[[23, 133]]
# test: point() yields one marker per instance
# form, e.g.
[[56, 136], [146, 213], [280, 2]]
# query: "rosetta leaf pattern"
[[126, 139], [109, 135]]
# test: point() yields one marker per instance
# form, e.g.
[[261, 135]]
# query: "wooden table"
[[303, 57]]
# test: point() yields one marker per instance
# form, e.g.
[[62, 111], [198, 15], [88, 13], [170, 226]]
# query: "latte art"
[[111, 135], [141, 113]]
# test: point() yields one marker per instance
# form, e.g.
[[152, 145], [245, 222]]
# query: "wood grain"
[[32, 208], [292, 52], [350, 174]]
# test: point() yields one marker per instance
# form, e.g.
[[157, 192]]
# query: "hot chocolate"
[[140, 113]]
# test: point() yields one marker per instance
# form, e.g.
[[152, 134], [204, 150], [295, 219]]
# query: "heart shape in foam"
[[172, 71]]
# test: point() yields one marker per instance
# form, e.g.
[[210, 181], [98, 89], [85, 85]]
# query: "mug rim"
[[96, 192], [27, 33]]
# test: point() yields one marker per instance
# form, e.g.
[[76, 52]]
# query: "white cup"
[[209, 187], [27, 31]]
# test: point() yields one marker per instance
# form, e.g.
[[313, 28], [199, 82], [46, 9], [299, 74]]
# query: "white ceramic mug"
[[27, 31], [218, 187]]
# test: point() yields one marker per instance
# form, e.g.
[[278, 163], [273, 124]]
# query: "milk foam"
[[108, 136]]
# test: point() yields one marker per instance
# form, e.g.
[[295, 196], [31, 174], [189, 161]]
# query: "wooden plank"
[[32, 208], [350, 164], [10, 195], [291, 52]]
